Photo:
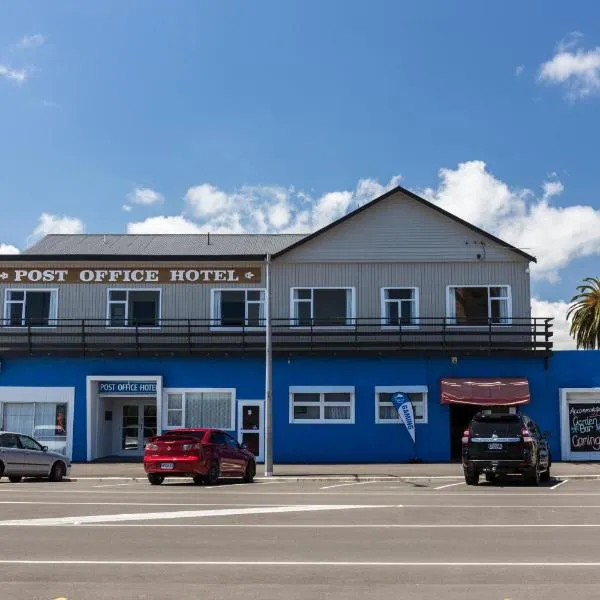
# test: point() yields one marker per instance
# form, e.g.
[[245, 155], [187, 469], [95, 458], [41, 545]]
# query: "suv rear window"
[[501, 426]]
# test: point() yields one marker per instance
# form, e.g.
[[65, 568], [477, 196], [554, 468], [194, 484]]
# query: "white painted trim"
[[185, 390], [383, 300], [449, 309], [41, 395], [323, 389], [261, 431], [92, 394], [407, 389], [53, 304], [222, 328], [132, 289], [351, 317], [565, 434]]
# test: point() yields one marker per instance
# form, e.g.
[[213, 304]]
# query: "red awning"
[[486, 392]]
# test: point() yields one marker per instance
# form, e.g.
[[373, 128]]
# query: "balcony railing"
[[95, 337]]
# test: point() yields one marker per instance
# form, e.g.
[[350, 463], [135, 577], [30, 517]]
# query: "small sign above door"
[[127, 387]]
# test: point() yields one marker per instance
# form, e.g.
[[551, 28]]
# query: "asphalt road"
[[407, 539]]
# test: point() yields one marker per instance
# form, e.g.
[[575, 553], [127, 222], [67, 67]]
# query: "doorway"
[[460, 417], [137, 423], [251, 426]]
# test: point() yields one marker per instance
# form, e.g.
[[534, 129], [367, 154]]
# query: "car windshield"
[[501, 426]]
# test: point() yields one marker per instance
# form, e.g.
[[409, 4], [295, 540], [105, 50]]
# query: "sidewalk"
[[334, 472]]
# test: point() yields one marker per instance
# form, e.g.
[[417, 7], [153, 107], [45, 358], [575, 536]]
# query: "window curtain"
[[18, 417], [208, 409], [337, 412]]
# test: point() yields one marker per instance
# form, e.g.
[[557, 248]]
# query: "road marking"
[[111, 485], [329, 487], [124, 503], [344, 526], [180, 514], [559, 484], [441, 487]]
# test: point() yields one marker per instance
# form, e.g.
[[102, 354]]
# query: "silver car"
[[22, 456]]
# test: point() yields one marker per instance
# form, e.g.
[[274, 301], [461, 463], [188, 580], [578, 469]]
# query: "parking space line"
[[441, 487], [350, 525], [337, 485], [559, 484], [111, 485]]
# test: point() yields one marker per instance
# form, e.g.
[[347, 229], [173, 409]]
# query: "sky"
[[269, 116]]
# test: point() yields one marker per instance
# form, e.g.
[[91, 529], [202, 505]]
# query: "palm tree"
[[585, 314]]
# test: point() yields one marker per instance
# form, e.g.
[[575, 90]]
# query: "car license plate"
[[495, 446], [167, 466]]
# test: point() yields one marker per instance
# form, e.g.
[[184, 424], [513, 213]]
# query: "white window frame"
[[407, 389], [385, 301], [126, 302], [184, 391], [293, 301], [451, 308], [322, 390], [52, 317], [213, 308]]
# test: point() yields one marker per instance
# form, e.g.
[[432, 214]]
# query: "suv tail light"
[[466, 436], [151, 447], [526, 435]]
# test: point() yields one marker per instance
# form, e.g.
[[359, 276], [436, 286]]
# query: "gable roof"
[[418, 199]]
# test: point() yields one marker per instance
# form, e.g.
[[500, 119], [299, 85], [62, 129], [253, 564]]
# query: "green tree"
[[584, 313]]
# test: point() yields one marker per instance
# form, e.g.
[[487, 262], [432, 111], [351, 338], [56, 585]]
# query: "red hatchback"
[[202, 454]]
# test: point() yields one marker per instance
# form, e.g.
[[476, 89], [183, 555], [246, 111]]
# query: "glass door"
[[130, 428], [251, 426], [149, 424]]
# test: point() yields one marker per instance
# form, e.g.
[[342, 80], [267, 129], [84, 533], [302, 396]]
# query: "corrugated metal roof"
[[163, 244]]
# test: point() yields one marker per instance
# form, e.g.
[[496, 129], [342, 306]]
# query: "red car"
[[202, 454]]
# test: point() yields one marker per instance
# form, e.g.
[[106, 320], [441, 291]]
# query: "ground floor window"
[[23, 308], [45, 421], [385, 411], [200, 408], [321, 405]]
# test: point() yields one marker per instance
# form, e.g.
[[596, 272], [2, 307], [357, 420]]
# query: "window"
[[218, 438], [322, 307], [472, 305], [131, 308], [231, 443], [198, 408], [322, 405], [30, 307], [28, 444], [8, 440], [238, 308], [385, 411], [400, 307]]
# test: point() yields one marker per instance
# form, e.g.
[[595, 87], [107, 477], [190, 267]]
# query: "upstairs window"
[[238, 308], [36, 308], [131, 308], [472, 305], [322, 307], [400, 307]]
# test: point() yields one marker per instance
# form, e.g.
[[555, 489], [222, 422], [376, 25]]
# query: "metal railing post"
[[29, 340], [83, 341]]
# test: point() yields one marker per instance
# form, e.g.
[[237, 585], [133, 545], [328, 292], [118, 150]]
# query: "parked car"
[[22, 456], [202, 454], [496, 444], [46, 435]]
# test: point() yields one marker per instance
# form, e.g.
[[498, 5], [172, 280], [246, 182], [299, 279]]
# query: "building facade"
[[108, 339]]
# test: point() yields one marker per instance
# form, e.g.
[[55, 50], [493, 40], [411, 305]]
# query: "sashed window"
[[36, 308], [399, 307], [385, 411], [239, 308], [197, 408], [314, 405], [472, 305], [131, 308], [322, 307]]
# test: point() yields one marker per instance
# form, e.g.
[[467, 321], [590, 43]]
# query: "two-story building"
[[108, 339]]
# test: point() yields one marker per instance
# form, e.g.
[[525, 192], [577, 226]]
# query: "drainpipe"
[[268, 374]]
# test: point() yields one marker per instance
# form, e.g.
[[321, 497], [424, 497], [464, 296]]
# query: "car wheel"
[[14, 478], [533, 476], [58, 472], [155, 478], [250, 472], [471, 477], [491, 477], [212, 477], [545, 476], [1, 468], [199, 479]]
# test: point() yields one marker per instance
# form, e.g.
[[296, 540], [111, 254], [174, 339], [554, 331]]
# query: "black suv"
[[495, 444]]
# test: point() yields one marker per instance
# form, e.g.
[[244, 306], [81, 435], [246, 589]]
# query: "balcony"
[[201, 337]]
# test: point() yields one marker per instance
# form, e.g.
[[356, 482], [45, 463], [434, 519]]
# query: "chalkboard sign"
[[584, 427]]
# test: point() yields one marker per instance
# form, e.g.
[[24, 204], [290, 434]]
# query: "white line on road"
[[180, 514], [559, 484], [329, 487], [111, 485], [44, 503], [345, 526], [441, 487]]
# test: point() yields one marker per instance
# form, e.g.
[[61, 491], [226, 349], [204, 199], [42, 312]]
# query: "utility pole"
[[268, 375]]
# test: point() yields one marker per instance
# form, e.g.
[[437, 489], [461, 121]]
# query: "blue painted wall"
[[362, 442]]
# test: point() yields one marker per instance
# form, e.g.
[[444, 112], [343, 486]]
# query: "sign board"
[[584, 427], [120, 275], [127, 387]]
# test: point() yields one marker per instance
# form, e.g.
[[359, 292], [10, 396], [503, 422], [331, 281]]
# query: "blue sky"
[[273, 116]]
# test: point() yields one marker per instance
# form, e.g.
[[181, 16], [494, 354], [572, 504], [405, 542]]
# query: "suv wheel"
[[491, 477], [545, 476], [533, 476], [471, 477]]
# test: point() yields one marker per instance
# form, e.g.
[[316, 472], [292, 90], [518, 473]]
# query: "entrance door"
[[251, 426], [138, 424]]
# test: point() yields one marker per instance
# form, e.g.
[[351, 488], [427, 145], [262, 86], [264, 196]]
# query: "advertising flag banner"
[[404, 407]]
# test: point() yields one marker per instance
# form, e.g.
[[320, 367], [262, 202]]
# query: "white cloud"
[[558, 311], [31, 41], [519, 70], [176, 224], [576, 69], [8, 249], [145, 197], [206, 200], [17, 75], [55, 224], [127, 208], [552, 188]]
